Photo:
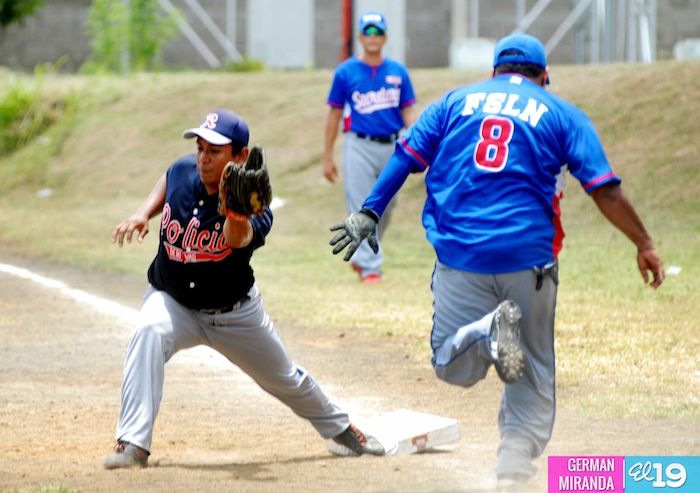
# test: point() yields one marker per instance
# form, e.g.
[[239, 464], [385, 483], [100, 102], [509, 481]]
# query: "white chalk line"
[[194, 356], [107, 307]]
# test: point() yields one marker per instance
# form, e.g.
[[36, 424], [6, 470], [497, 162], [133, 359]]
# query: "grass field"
[[637, 347]]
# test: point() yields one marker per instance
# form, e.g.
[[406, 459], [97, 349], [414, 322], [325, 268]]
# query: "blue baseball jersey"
[[497, 153], [194, 264], [373, 96]]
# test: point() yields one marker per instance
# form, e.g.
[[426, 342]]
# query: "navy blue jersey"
[[496, 153], [194, 264], [373, 95]]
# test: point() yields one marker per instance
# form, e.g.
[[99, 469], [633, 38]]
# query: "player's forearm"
[[334, 116], [617, 208], [153, 205], [409, 115], [390, 180], [237, 230]]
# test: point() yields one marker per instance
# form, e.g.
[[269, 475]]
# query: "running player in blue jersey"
[[496, 155], [375, 96]]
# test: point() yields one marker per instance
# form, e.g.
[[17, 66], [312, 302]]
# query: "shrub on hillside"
[[25, 112]]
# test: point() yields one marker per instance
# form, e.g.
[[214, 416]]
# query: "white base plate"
[[404, 432]]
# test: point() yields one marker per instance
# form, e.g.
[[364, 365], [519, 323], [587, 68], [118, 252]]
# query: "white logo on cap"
[[372, 17], [210, 121]]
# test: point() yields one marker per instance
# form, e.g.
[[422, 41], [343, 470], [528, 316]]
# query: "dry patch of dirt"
[[60, 376]]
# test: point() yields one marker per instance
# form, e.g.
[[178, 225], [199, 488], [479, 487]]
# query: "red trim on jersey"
[[595, 182], [558, 240], [413, 153], [192, 256]]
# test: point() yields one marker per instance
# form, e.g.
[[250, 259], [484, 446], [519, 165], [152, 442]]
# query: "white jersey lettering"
[[533, 112], [472, 102], [501, 103], [372, 101], [494, 103], [510, 109]]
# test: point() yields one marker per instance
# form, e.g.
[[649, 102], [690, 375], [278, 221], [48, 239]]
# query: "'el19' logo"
[[675, 474]]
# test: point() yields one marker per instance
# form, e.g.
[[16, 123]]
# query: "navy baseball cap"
[[372, 18], [528, 49], [221, 127]]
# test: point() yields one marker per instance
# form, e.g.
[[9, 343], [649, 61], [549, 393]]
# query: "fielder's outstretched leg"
[[247, 337], [164, 328]]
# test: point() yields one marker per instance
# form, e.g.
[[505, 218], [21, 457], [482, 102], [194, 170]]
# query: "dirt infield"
[[60, 372]]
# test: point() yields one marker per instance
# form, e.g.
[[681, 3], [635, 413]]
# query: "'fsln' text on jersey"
[[501, 103]]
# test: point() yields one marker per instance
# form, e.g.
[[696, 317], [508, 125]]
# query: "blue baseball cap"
[[529, 50], [372, 18], [221, 127]]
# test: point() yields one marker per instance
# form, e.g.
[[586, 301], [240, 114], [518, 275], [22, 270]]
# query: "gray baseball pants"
[[363, 161], [464, 307], [245, 336]]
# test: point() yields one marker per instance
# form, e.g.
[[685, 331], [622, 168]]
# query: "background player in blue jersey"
[[496, 155], [203, 292], [374, 97]]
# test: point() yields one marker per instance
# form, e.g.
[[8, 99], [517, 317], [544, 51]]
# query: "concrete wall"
[[58, 29]]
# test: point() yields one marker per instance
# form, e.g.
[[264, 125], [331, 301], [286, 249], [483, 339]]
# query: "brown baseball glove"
[[246, 189]]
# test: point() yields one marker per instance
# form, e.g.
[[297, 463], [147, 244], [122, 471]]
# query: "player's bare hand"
[[125, 230], [330, 170], [649, 261]]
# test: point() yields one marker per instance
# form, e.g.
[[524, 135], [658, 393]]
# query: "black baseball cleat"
[[126, 455], [358, 442], [508, 357]]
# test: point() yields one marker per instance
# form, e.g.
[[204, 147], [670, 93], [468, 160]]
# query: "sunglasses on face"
[[373, 31]]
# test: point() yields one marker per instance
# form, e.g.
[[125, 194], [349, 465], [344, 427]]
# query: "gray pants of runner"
[[464, 307], [245, 336], [363, 161]]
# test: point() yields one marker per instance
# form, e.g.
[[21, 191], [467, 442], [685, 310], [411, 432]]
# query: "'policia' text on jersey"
[[496, 153], [195, 264]]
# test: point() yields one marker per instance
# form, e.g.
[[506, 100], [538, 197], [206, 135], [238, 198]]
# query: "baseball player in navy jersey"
[[374, 98], [202, 291], [496, 155]]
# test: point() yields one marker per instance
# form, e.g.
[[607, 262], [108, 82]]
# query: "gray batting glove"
[[359, 226]]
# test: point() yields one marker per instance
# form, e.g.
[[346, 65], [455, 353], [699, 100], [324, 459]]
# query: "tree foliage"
[[127, 35], [14, 11]]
